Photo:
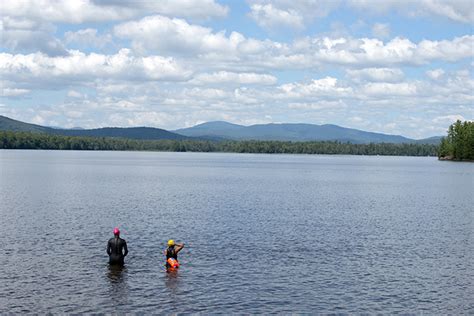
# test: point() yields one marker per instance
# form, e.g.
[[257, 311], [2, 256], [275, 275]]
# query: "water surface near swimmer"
[[263, 233]]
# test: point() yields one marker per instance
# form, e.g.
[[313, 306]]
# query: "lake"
[[263, 233]]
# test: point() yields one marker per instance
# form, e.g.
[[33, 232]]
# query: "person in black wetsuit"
[[117, 249], [172, 251]]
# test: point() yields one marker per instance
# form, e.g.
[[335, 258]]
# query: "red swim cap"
[[116, 231]]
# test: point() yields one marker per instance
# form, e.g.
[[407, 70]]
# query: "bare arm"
[[179, 247]]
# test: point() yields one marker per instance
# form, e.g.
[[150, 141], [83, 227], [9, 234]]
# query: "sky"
[[395, 66]]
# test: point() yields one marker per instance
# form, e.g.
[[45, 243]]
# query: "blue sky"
[[397, 67]]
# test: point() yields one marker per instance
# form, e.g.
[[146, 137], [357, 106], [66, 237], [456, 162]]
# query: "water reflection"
[[116, 273], [172, 280], [117, 276]]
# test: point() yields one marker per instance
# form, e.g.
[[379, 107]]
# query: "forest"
[[27, 140], [459, 144]]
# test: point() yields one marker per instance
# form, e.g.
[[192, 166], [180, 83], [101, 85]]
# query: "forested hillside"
[[24, 140]]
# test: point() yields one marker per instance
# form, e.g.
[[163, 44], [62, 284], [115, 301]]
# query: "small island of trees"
[[459, 144]]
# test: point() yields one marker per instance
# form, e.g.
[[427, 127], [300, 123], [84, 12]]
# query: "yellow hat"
[[171, 242]]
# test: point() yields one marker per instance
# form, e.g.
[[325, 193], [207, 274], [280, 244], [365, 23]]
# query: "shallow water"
[[263, 233]]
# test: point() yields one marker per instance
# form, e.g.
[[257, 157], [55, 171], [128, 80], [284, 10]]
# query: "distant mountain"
[[8, 124], [435, 140], [144, 133], [293, 132], [149, 133], [220, 130]]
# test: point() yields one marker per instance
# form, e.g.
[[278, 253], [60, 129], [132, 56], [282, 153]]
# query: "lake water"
[[263, 233]]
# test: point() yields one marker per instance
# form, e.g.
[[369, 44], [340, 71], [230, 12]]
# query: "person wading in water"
[[117, 249], [172, 254]]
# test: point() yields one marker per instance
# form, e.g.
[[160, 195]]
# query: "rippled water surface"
[[263, 233]]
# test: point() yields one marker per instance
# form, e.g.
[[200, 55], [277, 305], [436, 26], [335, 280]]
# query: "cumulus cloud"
[[163, 35], [13, 92], [80, 67], [361, 104], [448, 119], [328, 87], [99, 11], [225, 77], [281, 14], [74, 94], [458, 48], [390, 89], [435, 74], [455, 10], [24, 35], [176, 72], [278, 14], [376, 74], [269, 17], [88, 37], [365, 51], [318, 105]]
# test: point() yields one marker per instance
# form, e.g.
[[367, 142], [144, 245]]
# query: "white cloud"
[[278, 14], [281, 14], [13, 92], [74, 94], [456, 10], [64, 11], [367, 105], [454, 50], [390, 89], [318, 105], [448, 119], [269, 17], [38, 119], [80, 67], [159, 34], [82, 11], [327, 86], [74, 114], [365, 51], [381, 30], [24, 35], [435, 74], [176, 72], [377, 74], [88, 37], [225, 77], [163, 34]]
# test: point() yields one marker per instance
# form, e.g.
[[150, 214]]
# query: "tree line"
[[27, 140], [459, 144]]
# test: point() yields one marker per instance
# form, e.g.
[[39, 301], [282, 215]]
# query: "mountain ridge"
[[222, 130], [296, 132], [143, 133]]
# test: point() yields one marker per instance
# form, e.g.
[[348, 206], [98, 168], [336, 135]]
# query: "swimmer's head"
[[170, 243], [116, 231]]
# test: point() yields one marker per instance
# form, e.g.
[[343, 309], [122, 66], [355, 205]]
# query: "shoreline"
[[219, 152], [450, 158]]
